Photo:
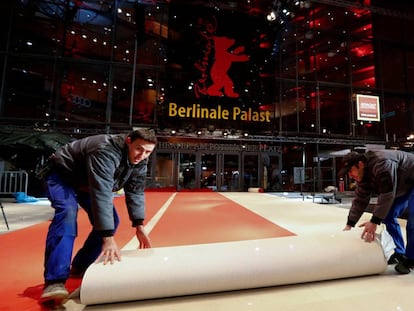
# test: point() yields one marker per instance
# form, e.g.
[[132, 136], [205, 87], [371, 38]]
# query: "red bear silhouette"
[[223, 60]]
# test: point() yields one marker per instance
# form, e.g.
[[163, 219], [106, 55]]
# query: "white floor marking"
[[133, 243]]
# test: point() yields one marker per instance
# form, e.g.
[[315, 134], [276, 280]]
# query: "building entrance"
[[226, 168], [187, 165], [220, 172]]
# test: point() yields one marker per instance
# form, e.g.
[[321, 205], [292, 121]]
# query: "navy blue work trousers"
[[63, 231], [400, 205]]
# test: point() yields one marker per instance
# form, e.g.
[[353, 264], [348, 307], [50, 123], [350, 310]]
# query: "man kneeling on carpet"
[[390, 175], [86, 172]]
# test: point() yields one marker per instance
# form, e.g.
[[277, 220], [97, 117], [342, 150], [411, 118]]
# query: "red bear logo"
[[224, 57]]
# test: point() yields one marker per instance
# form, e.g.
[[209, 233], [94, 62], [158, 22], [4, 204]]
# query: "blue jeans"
[[394, 229], [63, 231]]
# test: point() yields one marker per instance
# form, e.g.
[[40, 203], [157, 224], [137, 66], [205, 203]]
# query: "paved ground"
[[21, 215]]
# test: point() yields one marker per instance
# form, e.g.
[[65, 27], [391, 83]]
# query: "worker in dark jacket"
[[86, 172], [390, 175]]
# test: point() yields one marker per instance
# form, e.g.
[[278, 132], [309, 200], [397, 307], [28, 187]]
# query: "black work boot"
[[396, 258], [405, 266]]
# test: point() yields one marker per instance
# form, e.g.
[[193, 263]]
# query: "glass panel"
[[83, 95], [410, 71], [335, 110], [289, 103], [395, 62], [250, 171], [136, 108], [292, 157], [186, 170], [231, 173], [6, 17], [42, 33], [144, 106], [363, 64], [27, 90], [208, 176], [397, 110], [164, 170], [274, 175]]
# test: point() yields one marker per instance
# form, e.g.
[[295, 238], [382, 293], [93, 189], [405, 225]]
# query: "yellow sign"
[[196, 111]]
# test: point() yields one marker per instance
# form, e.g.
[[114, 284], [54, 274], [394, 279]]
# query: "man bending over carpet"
[[85, 173]]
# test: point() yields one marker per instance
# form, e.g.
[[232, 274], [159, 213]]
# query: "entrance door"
[[220, 172], [274, 175], [208, 171], [186, 171], [250, 171], [164, 171], [230, 173]]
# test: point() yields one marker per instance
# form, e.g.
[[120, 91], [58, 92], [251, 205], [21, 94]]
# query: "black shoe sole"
[[54, 301], [401, 268]]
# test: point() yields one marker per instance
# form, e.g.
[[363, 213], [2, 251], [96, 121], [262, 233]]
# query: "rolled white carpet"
[[256, 190], [205, 268]]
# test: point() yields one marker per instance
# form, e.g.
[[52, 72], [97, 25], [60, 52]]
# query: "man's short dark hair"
[[350, 160], [145, 134]]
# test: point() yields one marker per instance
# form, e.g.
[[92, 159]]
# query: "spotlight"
[[271, 16]]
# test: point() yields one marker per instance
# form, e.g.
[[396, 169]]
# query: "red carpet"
[[191, 218], [196, 218], [21, 263]]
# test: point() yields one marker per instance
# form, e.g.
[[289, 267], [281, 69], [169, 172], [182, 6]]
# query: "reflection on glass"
[[186, 171], [208, 176], [164, 171], [250, 170], [231, 173]]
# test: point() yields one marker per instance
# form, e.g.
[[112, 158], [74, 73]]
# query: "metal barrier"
[[10, 183], [13, 181]]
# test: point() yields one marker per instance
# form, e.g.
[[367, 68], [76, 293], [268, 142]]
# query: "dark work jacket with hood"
[[389, 174], [99, 165]]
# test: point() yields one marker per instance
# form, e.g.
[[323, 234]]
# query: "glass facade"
[[286, 73]]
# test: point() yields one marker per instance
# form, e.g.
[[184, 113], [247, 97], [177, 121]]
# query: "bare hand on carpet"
[[110, 251]]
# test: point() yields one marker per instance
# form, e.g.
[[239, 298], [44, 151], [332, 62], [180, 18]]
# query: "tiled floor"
[[388, 291]]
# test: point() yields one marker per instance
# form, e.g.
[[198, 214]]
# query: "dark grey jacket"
[[388, 174], [99, 165]]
